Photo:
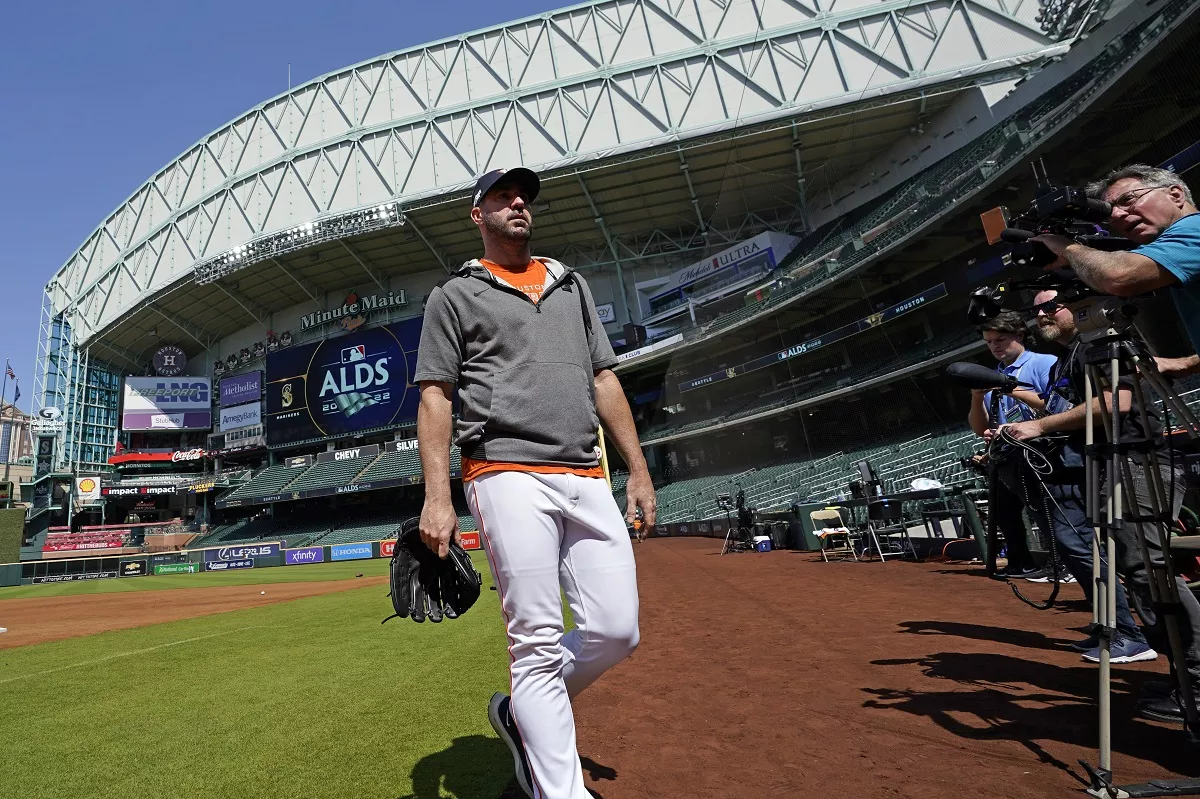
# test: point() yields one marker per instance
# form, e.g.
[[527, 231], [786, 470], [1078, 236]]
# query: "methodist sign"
[[156, 403], [240, 389], [343, 385]]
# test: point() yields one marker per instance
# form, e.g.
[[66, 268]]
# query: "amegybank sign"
[[240, 416]]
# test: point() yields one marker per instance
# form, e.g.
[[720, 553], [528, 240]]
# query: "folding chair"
[[934, 511], [885, 522], [830, 529]]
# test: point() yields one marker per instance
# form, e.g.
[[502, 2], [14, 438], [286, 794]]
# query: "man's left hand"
[[639, 495], [1057, 245], [1023, 431]]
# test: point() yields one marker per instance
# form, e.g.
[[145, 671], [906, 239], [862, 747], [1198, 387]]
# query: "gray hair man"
[[1153, 208]]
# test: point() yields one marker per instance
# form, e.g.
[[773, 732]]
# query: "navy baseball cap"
[[527, 179]]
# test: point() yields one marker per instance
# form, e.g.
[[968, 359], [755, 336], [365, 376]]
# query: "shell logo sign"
[[87, 490]]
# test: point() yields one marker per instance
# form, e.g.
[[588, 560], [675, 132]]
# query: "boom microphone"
[[974, 376]]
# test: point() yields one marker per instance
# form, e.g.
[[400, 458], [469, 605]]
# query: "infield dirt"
[[778, 675], [35, 621]]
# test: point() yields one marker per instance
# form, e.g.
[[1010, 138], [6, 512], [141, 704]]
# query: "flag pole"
[[8, 444]]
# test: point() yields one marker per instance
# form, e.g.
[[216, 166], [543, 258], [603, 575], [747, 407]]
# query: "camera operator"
[[1066, 486], [1057, 324], [745, 515], [1005, 337], [1154, 209]]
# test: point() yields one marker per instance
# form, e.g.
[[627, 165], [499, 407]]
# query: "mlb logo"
[[355, 353]]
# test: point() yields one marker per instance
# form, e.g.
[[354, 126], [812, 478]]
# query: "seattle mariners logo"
[[287, 395]]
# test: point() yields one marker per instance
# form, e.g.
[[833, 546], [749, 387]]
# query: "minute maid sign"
[[352, 313]]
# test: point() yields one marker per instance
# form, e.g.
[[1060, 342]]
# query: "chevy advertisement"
[[343, 385]]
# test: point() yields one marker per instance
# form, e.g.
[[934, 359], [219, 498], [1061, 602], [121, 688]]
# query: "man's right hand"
[[1178, 367], [439, 524]]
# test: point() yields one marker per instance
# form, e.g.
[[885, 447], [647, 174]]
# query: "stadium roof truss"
[[363, 164]]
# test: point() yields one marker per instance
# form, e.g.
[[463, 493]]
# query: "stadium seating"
[[269, 481], [295, 532], [243, 531], [331, 473], [85, 542], [778, 486], [392, 466], [753, 403]]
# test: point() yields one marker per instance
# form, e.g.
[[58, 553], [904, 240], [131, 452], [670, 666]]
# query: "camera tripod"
[[1110, 343], [737, 537]]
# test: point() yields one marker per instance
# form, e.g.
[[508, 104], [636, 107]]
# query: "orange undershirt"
[[532, 281]]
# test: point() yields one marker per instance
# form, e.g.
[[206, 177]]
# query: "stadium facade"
[[748, 186]]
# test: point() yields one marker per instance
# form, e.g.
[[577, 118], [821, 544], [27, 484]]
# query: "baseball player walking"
[[520, 338]]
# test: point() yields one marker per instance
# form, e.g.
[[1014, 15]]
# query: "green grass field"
[[309, 698]]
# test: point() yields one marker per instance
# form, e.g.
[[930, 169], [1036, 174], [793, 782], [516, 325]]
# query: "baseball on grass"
[[263, 593]]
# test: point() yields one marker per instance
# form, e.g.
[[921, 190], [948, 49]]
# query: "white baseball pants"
[[543, 531]]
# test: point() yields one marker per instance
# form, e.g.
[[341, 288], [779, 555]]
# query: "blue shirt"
[[1032, 368], [1177, 249]]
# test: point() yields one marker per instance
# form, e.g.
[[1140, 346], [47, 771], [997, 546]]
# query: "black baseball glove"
[[426, 586]]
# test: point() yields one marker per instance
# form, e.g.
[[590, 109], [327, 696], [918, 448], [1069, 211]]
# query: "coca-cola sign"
[[187, 455]]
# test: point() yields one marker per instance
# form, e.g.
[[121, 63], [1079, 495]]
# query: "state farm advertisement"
[[469, 541]]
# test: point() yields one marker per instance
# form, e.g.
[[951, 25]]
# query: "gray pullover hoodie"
[[524, 370]]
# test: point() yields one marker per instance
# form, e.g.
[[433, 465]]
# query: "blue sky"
[[95, 97]]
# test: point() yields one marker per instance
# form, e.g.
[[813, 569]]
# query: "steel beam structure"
[[555, 91]]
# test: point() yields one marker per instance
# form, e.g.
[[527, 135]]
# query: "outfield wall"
[[260, 555]]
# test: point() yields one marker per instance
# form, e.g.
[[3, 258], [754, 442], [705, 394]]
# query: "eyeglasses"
[[1049, 308], [1130, 198]]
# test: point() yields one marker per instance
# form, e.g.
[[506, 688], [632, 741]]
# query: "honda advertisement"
[[342, 385], [350, 552], [161, 403], [240, 389]]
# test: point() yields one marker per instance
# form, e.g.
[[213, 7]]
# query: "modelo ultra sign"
[[342, 385], [166, 403]]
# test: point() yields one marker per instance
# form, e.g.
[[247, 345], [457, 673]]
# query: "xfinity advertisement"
[[343, 385]]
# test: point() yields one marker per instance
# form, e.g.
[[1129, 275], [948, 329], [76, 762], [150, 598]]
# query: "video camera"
[[1058, 210]]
